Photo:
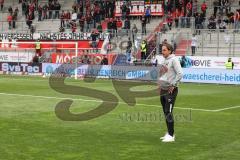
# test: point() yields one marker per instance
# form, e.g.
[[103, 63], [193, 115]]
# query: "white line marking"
[[139, 104], [224, 109], [47, 97]]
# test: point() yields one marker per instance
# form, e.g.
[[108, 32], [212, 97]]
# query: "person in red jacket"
[[119, 23], [189, 7], [204, 8], [9, 19]]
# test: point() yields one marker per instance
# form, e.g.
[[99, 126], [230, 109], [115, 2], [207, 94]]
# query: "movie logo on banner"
[[71, 58], [205, 62], [138, 8], [16, 56], [21, 67]]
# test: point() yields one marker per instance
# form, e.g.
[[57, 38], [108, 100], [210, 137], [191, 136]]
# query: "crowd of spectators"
[[89, 15], [179, 14]]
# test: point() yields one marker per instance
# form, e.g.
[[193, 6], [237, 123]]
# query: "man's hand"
[[170, 89]]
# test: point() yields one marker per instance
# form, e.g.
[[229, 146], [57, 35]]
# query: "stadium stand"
[[214, 22]]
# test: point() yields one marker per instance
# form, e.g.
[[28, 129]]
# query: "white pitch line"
[[224, 109], [139, 104], [47, 97]]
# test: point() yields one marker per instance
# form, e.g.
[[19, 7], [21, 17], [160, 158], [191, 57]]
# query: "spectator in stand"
[[57, 8], [112, 8], [74, 16], [68, 17], [74, 26], [221, 6], [32, 9], [14, 18], [99, 27], [61, 29], [38, 48], [45, 9], [29, 21], [204, 8], [128, 54], [24, 5], [134, 32], [32, 28], [143, 50], [176, 16], [189, 9], [198, 23], [102, 10], [86, 60], [96, 14], [124, 10], [88, 5], [106, 11], [169, 20], [227, 7], [236, 20], [222, 26], [81, 23], [104, 60], [127, 25], [215, 5], [74, 7], [10, 10], [62, 19], [194, 7], [212, 23], [40, 9], [114, 25], [180, 5], [143, 20], [94, 37], [194, 44], [231, 19], [109, 25], [1, 3], [50, 9], [89, 22], [128, 12], [182, 19], [119, 23], [148, 14], [169, 6], [129, 44], [26, 10], [9, 19], [16, 11]]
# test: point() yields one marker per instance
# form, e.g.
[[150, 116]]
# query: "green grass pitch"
[[30, 130]]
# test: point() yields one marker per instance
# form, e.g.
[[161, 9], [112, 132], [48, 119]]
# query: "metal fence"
[[211, 43]]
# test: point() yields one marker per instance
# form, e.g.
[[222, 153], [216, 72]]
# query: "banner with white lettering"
[[49, 36], [194, 75], [90, 58], [16, 56], [21, 67], [217, 76], [138, 8], [105, 71]]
